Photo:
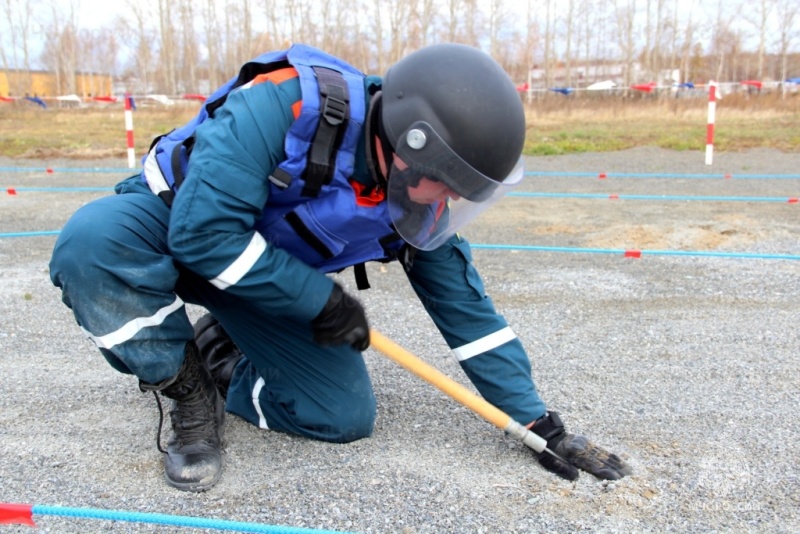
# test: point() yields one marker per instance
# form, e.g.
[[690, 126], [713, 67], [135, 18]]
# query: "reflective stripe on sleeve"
[[262, 421], [484, 344], [131, 328], [242, 265]]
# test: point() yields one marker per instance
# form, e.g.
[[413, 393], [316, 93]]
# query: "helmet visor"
[[432, 193]]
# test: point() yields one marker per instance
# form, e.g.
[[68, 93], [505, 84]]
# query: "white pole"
[[712, 112], [129, 131]]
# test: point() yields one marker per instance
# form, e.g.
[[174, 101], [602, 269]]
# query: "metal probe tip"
[[554, 454]]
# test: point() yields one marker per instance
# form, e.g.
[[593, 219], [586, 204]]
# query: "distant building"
[[16, 82], [582, 75]]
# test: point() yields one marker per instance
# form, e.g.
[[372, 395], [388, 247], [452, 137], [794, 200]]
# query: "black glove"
[[577, 451], [342, 320]]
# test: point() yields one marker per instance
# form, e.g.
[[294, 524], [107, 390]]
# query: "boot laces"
[[192, 418]]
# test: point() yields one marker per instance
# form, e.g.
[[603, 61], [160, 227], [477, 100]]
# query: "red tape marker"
[[16, 514], [633, 253], [49, 170], [793, 200], [613, 197], [602, 176], [11, 191]]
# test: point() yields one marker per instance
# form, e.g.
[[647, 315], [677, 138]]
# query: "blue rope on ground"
[[30, 234], [650, 197], [173, 520], [60, 189], [639, 252], [664, 175], [71, 169], [556, 249]]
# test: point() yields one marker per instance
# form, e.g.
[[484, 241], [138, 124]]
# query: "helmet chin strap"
[[373, 129]]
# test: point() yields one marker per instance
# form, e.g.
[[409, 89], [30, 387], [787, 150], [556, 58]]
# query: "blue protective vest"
[[321, 223]]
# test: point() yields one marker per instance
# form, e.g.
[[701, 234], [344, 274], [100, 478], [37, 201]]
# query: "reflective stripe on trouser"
[[112, 265], [287, 382]]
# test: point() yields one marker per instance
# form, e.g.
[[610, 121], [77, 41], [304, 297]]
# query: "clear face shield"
[[432, 193]]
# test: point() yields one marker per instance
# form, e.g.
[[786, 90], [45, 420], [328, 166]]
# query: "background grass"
[[556, 125], [606, 123]]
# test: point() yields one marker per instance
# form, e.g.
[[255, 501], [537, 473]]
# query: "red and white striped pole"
[[129, 129], [712, 113]]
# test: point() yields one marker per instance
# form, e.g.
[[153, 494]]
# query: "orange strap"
[[277, 77]]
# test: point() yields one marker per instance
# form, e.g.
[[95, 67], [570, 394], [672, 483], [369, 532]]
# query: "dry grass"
[[83, 133], [602, 124], [557, 125]]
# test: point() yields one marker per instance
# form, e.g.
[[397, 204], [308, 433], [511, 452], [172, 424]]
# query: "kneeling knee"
[[354, 424]]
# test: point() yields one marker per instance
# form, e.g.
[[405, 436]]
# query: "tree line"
[[178, 46]]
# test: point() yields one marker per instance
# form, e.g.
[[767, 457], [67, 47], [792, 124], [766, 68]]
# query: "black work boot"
[[217, 351], [193, 459]]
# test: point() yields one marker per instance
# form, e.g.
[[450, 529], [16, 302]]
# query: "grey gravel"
[[687, 366]]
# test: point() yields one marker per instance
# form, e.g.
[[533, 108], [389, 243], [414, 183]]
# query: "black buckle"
[[334, 107], [334, 110]]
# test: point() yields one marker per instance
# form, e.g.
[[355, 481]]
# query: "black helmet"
[[456, 127], [452, 111]]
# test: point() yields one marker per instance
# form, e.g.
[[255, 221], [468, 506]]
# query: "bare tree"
[[674, 47], [472, 18], [569, 27], [7, 38], [235, 39], [759, 18], [498, 18], [328, 9], [454, 8], [188, 48], [399, 15], [211, 28], [171, 48], [304, 26], [272, 14], [725, 43], [788, 18], [246, 41], [412, 34], [548, 41], [377, 21], [139, 38], [167, 65], [655, 28], [532, 38], [428, 15], [61, 49], [98, 50], [657, 45], [687, 45], [595, 32], [625, 11], [18, 16]]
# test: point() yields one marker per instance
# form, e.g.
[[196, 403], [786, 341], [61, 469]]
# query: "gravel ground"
[[685, 365]]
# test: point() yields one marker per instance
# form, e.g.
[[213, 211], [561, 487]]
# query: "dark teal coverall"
[[127, 264]]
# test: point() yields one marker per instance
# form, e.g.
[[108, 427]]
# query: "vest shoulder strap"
[[324, 117], [334, 108]]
